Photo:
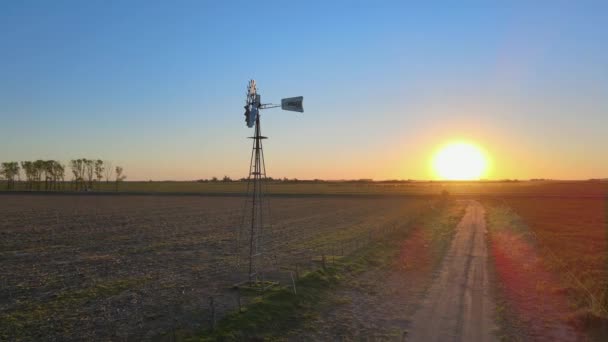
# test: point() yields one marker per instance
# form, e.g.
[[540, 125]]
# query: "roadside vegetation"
[[274, 313]]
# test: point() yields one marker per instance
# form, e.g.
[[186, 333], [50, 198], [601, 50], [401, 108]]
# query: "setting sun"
[[460, 161]]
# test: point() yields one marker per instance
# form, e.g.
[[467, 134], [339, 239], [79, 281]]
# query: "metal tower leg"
[[251, 233]]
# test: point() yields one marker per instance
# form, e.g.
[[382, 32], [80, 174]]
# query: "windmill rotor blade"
[[254, 104], [247, 114], [251, 88], [252, 117], [250, 106]]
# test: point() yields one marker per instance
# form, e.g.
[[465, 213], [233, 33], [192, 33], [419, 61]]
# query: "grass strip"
[[279, 310]]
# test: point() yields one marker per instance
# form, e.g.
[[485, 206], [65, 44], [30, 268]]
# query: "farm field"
[[476, 188], [551, 256], [130, 267], [127, 266], [575, 233]]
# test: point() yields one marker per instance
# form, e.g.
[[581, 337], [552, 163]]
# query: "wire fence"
[[288, 268]]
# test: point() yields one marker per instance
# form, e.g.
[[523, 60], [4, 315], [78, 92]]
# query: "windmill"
[[250, 236]]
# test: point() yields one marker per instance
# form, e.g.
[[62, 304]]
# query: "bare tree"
[[83, 171], [83, 166], [90, 172], [109, 170], [58, 174], [77, 178], [52, 172], [99, 168], [48, 167], [74, 168], [39, 167], [15, 172], [9, 170], [29, 174], [119, 176]]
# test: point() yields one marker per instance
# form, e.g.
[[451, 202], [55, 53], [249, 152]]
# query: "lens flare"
[[460, 161]]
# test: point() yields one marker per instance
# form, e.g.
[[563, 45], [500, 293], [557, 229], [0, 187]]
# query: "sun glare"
[[460, 161]]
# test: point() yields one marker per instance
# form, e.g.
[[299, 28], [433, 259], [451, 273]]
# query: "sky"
[[159, 86]]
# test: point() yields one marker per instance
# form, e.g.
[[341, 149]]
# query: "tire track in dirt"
[[458, 306]]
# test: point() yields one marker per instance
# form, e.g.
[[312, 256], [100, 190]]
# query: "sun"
[[460, 161]]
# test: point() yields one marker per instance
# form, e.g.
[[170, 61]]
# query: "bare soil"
[[139, 267], [459, 305]]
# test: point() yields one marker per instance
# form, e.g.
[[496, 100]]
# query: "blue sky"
[[159, 86]]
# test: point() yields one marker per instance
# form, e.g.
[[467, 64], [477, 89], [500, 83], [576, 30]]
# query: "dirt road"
[[458, 306]]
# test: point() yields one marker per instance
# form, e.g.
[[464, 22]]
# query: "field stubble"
[[116, 267], [553, 251]]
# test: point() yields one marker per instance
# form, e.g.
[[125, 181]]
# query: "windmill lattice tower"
[[250, 238]]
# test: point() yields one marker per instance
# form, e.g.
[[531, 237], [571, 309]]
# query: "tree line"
[[50, 174], [226, 179]]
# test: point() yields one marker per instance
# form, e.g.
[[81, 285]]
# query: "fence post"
[[293, 282]]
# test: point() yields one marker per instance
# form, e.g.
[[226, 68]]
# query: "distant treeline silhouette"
[[245, 179], [50, 174]]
